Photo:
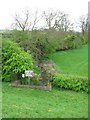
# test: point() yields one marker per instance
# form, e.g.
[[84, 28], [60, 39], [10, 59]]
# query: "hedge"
[[75, 83]]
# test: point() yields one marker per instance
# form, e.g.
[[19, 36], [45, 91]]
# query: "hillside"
[[73, 62]]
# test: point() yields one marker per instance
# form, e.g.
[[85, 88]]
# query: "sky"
[[8, 8]]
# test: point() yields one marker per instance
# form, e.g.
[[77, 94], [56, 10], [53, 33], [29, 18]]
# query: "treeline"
[[40, 43]]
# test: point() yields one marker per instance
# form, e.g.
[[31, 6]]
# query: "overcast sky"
[[8, 8]]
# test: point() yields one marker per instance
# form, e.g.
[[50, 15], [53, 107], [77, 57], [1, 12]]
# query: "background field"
[[73, 62]]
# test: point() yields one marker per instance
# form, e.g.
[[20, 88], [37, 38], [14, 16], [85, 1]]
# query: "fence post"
[[29, 81]]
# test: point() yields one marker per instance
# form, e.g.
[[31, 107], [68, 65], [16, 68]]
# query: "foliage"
[[76, 83], [71, 41], [47, 72], [36, 79], [14, 59], [84, 39], [20, 36], [38, 43]]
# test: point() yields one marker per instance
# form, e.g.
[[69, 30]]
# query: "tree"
[[49, 17], [26, 20], [83, 23], [62, 23], [40, 45], [57, 20]]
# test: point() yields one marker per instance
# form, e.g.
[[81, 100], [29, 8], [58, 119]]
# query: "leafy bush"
[[15, 60], [83, 40], [70, 42], [75, 83], [70, 37]]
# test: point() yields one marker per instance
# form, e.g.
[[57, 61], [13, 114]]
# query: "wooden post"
[[29, 81], [49, 86]]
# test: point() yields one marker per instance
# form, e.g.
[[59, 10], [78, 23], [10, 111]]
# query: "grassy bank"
[[74, 62]]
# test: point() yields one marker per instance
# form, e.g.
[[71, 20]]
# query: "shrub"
[[36, 79], [20, 36], [15, 60], [83, 40], [70, 42], [47, 71], [70, 37], [75, 83]]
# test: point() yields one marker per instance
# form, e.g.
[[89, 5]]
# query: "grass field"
[[31, 103], [73, 62]]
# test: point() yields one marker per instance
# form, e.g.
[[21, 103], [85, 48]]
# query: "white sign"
[[23, 75], [29, 73]]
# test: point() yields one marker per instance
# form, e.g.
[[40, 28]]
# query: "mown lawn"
[[73, 62], [32, 103]]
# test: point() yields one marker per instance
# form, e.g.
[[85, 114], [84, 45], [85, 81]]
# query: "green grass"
[[31, 103], [73, 62]]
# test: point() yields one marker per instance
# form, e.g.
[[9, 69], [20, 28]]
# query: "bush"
[[15, 60], [70, 37], [75, 83], [70, 42], [36, 79], [47, 71], [83, 40], [19, 36]]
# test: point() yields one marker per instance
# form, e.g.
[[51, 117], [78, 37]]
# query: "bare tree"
[[57, 20], [35, 19], [83, 23], [62, 23], [26, 21], [49, 17]]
